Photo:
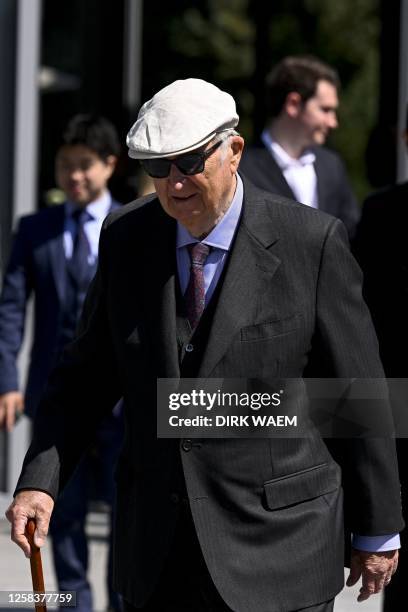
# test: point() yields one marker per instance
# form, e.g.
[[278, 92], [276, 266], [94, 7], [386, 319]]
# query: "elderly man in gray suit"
[[212, 278]]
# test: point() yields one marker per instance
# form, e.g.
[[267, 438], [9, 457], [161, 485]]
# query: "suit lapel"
[[323, 183], [272, 176], [160, 292], [56, 249], [251, 265], [278, 180], [114, 205]]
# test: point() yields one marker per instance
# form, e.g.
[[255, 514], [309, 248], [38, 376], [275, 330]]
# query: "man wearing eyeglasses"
[[212, 278]]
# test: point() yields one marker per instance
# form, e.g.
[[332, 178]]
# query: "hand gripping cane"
[[36, 566]]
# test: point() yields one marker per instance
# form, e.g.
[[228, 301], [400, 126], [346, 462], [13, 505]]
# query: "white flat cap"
[[180, 118]]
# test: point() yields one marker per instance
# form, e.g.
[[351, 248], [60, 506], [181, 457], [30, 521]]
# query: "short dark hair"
[[93, 131], [299, 73]]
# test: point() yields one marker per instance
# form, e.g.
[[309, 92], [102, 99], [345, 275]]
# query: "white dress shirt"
[[96, 213], [300, 174]]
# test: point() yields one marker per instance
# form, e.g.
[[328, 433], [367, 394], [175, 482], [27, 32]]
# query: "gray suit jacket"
[[268, 513], [333, 186]]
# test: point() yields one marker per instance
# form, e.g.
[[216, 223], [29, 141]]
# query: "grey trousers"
[[199, 593]]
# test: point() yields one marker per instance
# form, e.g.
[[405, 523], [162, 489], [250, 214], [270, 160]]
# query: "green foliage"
[[348, 38], [219, 34]]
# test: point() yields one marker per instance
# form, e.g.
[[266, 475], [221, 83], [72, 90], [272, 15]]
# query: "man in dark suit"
[[54, 257], [212, 278], [380, 247], [290, 158]]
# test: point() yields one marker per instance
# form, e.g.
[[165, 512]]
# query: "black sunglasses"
[[188, 164]]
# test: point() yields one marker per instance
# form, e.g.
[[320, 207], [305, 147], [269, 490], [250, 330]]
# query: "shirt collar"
[[282, 158], [97, 209], [223, 233]]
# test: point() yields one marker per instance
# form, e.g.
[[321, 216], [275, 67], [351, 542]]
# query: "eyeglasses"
[[188, 164]]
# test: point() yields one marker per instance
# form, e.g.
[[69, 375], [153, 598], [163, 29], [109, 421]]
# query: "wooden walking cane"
[[36, 566]]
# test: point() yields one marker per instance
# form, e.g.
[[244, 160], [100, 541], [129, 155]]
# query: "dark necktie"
[[195, 294], [79, 267]]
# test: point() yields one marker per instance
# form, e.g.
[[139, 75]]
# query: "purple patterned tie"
[[195, 294]]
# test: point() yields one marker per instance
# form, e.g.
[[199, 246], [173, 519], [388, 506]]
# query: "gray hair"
[[223, 137]]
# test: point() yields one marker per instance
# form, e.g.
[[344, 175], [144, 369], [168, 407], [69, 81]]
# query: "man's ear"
[[111, 162], [293, 104], [237, 146]]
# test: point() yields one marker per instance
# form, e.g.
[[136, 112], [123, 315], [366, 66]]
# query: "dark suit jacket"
[[268, 513], [380, 247], [333, 187], [36, 266]]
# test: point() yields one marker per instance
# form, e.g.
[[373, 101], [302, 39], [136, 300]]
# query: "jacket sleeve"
[[17, 286], [81, 391], [345, 346]]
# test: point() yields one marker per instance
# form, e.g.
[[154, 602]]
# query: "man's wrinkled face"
[[199, 201], [81, 173], [318, 115]]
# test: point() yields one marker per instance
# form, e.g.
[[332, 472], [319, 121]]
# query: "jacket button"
[[189, 348], [187, 445], [175, 498]]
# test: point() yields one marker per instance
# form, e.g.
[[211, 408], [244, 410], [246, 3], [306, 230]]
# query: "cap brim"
[[135, 154]]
